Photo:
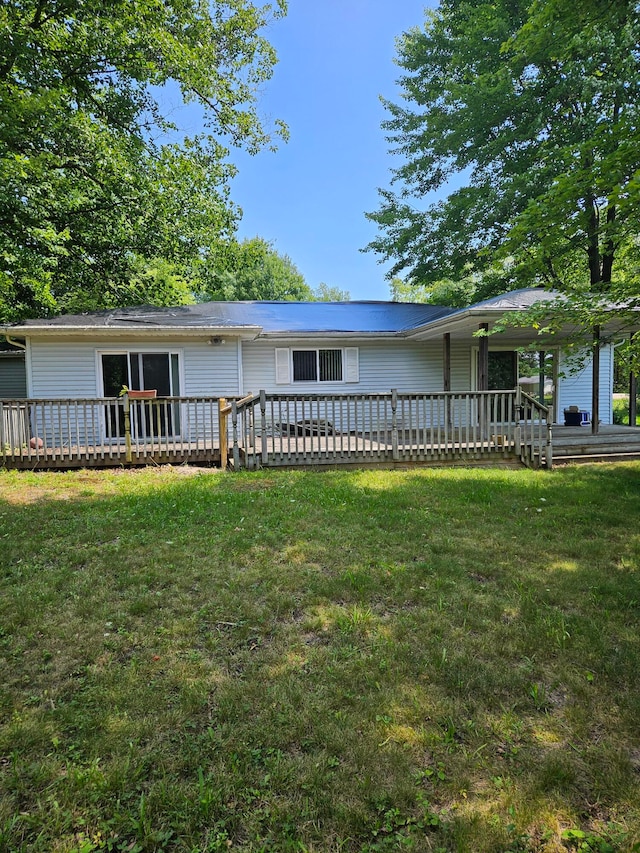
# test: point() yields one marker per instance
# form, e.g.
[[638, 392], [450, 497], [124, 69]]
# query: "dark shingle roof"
[[271, 317], [285, 318]]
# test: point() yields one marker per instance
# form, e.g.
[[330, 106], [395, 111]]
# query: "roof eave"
[[328, 333], [134, 330]]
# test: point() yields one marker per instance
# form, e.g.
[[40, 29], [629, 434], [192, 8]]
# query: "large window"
[[142, 371], [320, 365]]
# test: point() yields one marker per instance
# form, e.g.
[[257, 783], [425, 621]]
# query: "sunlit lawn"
[[428, 660]]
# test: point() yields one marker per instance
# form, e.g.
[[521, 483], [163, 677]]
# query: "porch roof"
[[463, 323]]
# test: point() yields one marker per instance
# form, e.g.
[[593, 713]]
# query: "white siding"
[[574, 387], [62, 370], [70, 369], [211, 371], [460, 367], [383, 365]]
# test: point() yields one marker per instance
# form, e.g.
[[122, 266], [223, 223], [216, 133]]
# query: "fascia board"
[[133, 331], [328, 335]]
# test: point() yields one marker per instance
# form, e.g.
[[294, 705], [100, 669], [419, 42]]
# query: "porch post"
[[446, 370], [541, 356], [483, 359], [633, 398], [446, 362], [483, 380], [595, 384]]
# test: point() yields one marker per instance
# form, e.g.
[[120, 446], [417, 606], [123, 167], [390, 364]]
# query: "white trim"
[[241, 389], [28, 368], [282, 357], [136, 349], [318, 381], [351, 365]]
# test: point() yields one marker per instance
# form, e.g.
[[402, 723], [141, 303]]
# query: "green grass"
[[621, 411], [424, 660]]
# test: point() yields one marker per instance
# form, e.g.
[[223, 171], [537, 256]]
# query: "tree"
[[534, 108], [455, 294], [89, 184], [324, 293], [251, 270]]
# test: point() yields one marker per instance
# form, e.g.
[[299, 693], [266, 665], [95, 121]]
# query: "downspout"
[[14, 343]]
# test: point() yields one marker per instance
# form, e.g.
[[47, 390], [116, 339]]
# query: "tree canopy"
[[254, 269], [93, 184], [527, 114], [251, 270]]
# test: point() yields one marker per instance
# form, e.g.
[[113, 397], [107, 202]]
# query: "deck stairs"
[[612, 444]]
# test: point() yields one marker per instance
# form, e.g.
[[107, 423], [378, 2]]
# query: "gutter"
[[327, 334], [245, 332], [453, 320]]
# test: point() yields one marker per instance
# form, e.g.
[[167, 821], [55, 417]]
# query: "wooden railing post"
[[127, 426], [549, 448], [222, 430], [263, 428], [517, 437], [394, 424], [234, 435]]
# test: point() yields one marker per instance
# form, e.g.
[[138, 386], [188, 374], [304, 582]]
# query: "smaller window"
[[305, 365], [324, 365]]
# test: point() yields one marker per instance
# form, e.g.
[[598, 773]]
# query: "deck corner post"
[[549, 448], [264, 450], [127, 426], [234, 435], [222, 429], [394, 424], [517, 433]]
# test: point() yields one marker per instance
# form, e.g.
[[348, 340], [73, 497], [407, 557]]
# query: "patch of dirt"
[[78, 484]]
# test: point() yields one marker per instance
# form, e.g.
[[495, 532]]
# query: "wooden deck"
[[570, 445], [110, 456], [614, 443], [277, 430]]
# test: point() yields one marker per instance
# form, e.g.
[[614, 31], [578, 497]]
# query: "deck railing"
[[107, 431], [276, 429], [292, 429]]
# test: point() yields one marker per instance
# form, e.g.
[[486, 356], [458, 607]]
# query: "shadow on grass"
[[343, 661]]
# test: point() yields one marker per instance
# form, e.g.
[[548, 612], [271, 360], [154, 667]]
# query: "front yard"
[[427, 660]]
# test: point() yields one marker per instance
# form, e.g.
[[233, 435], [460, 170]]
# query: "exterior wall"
[[71, 369], [384, 364], [13, 377], [574, 386]]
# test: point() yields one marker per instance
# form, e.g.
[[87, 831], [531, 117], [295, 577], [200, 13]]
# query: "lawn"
[[355, 661]]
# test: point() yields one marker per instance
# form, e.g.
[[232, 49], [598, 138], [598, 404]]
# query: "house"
[[231, 349]]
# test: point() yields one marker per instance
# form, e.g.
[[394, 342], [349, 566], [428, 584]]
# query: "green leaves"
[[88, 181], [251, 270], [532, 111]]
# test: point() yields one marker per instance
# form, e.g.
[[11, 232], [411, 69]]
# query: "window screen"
[[323, 365], [330, 361], [305, 367]]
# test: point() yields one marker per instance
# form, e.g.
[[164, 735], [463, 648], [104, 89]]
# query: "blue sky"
[[309, 198]]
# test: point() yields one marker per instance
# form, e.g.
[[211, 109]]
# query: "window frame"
[[317, 351]]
